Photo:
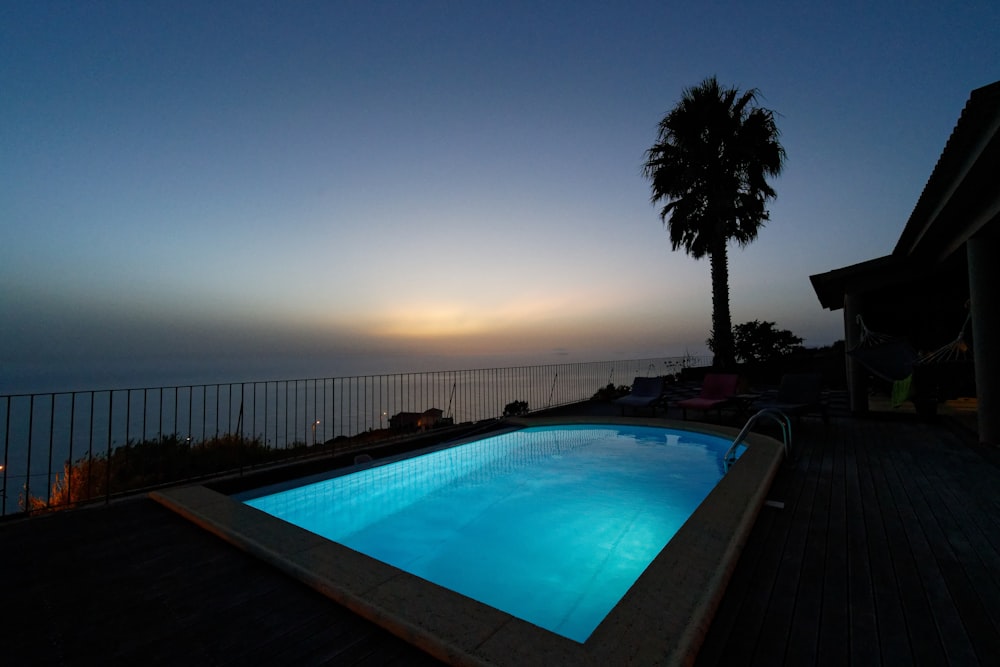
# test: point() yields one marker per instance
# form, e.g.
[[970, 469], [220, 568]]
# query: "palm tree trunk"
[[722, 324]]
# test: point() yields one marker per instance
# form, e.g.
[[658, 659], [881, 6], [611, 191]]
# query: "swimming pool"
[[552, 524], [662, 614]]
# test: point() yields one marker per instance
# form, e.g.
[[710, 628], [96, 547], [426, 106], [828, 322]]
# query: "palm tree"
[[709, 166]]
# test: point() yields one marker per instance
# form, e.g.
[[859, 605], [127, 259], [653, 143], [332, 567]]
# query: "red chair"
[[717, 392]]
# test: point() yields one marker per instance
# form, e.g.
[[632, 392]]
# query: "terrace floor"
[[881, 546]]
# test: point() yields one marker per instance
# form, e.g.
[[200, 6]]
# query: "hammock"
[[956, 350], [893, 359], [888, 357]]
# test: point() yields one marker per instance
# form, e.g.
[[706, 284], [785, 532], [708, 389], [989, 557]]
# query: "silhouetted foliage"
[[709, 165], [515, 409], [151, 463], [611, 392], [759, 342]]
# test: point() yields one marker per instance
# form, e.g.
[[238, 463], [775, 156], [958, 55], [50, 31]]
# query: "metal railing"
[[777, 416], [64, 448]]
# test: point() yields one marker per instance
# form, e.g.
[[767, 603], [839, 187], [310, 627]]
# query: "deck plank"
[[943, 546], [835, 618], [894, 643], [805, 620], [917, 610], [776, 622], [862, 630]]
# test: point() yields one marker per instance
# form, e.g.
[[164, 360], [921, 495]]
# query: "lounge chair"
[[798, 394], [717, 391], [646, 392]]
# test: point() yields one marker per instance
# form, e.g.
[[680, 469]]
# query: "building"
[[416, 421], [945, 268]]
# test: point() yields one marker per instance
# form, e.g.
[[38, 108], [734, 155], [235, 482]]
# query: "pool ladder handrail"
[[777, 415]]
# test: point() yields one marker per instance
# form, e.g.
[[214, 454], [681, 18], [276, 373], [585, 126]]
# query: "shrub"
[[150, 463], [515, 409], [610, 392]]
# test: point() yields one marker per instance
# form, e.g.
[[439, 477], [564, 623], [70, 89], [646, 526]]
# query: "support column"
[[983, 252], [857, 376]]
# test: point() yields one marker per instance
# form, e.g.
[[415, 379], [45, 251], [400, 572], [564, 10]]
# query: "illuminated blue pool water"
[[550, 524]]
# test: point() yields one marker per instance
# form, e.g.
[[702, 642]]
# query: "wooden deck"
[[886, 552]]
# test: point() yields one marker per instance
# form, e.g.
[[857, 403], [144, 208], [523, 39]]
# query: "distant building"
[[416, 421]]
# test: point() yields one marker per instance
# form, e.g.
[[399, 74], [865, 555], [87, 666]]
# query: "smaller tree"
[[515, 409], [760, 342], [610, 392]]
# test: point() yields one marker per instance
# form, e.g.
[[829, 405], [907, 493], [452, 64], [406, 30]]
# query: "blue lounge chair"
[[646, 392]]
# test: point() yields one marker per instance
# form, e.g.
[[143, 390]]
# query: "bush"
[[515, 409], [149, 463], [610, 392]]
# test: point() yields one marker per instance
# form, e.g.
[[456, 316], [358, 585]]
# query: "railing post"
[[52, 425], [72, 423], [90, 445], [107, 482], [6, 452], [27, 472]]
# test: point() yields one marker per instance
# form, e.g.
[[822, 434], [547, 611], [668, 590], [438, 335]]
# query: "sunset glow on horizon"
[[248, 188]]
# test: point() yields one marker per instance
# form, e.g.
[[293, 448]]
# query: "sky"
[[256, 190]]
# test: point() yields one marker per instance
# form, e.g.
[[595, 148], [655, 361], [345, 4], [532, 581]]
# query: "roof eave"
[[832, 286], [959, 198]]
